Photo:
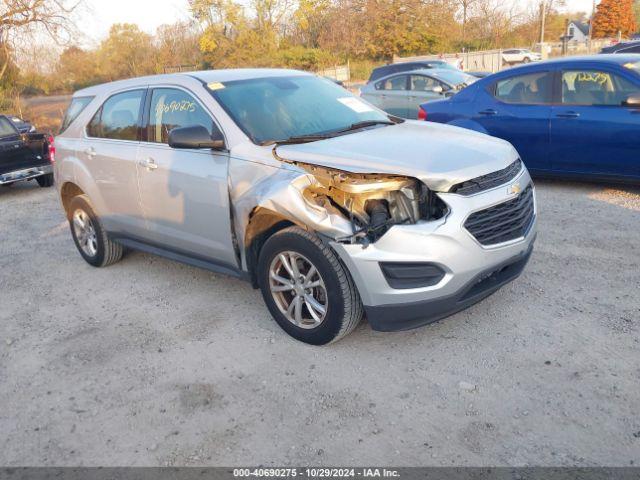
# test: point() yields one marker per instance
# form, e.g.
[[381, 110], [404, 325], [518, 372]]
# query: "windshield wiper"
[[296, 139], [314, 137], [365, 124]]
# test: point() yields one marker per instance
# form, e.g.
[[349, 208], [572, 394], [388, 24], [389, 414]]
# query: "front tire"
[[526, 60], [90, 238], [45, 181], [307, 290]]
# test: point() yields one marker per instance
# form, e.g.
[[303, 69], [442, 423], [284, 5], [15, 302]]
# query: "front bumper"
[[25, 174], [472, 271]]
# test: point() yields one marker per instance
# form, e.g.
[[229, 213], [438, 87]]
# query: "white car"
[[520, 55]]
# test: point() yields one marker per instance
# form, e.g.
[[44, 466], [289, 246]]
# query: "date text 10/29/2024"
[[316, 472]]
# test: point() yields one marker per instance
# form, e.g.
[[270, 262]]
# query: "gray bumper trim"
[[388, 318]]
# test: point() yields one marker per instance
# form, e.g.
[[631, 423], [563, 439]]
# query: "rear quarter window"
[[76, 107]]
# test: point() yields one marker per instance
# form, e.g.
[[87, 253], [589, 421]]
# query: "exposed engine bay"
[[373, 203]]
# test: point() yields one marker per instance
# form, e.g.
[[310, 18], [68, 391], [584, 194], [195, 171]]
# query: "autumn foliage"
[[614, 16]]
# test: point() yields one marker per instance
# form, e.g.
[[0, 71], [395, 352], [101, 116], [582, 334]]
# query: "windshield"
[[445, 65], [454, 77], [279, 108]]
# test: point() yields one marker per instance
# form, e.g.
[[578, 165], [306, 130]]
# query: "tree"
[[19, 19], [126, 52], [465, 5], [613, 17], [77, 68]]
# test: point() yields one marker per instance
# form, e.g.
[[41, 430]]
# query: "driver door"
[[183, 193], [592, 132]]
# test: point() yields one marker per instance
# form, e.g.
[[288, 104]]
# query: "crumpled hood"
[[438, 155]]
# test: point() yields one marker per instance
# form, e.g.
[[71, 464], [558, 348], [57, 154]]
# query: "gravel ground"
[[150, 362]]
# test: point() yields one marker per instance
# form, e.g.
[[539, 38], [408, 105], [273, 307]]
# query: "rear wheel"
[[526, 60], [90, 238], [45, 180], [307, 290]]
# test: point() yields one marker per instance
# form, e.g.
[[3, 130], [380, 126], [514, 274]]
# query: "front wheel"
[[526, 60], [90, 238], [307, 290]]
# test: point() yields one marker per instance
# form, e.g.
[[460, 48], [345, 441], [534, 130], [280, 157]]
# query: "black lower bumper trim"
[[405, 316]]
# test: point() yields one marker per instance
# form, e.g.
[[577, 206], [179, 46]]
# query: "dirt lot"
[[150, 362]]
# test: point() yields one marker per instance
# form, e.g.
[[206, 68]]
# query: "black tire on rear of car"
[[92, 240], [45, 180], [328, 291]]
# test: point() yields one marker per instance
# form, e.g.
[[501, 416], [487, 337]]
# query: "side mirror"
[[632, 101], [437, 89], [194, 137]]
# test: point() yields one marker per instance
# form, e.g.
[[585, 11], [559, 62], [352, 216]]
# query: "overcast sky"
[[97, 15]]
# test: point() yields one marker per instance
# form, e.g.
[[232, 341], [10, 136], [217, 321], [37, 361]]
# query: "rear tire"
[[90, 238], [45, 180], [329, 303], [526, 60]]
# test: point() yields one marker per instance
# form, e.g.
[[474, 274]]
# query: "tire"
[[97, 250], [526, 60], [45, 180], [343, 307]]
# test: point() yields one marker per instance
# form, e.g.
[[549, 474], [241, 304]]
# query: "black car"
[[24, 156], [625, 47], [385, 70], [23, 126]]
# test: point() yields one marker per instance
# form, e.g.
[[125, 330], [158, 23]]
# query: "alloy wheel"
[[298, 289], [85, 233]]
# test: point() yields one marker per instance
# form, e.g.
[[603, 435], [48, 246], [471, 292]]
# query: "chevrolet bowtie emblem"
[[514, 189]]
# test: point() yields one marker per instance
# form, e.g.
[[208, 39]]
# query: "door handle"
[[568, 115], [149, 164], [489, 111], [90, 152]]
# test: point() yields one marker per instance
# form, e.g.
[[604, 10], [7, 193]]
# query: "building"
[[577, 31]]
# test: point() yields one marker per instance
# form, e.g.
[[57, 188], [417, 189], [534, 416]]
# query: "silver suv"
[[334, 209]]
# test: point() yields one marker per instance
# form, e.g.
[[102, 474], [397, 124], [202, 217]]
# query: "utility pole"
[[542, 20], [593, 14]]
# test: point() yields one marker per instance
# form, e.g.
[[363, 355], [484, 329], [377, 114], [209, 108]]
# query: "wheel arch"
[[263, 223], [68, 191]]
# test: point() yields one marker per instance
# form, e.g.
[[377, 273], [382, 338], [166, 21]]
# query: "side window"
[[172, 108], [6, 128], [118, 118], [393, 83], [592, 87], [532, 89], [420, 83]]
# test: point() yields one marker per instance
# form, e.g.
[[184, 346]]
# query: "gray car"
[[332, 208], [401, 94]]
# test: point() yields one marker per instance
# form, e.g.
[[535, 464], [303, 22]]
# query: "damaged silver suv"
[[334, 209]]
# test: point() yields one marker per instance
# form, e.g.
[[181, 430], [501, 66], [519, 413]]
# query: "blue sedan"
[[569, 117]]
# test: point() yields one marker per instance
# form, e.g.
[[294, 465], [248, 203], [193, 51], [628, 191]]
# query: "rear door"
[[184, 192], [518, 109], [423, 88], [391, 95], [592, 132], [108, 151]]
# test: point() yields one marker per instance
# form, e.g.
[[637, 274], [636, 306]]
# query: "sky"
[[97, 16]]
